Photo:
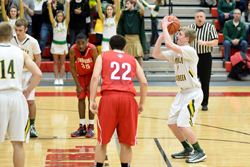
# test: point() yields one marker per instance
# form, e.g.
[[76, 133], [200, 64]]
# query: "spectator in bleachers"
[[207, 37], [154, 19], [12, 16], [109, 20], [28, 7], [234, 35], [225, 10], [241, 4], [79, 10], [245, 18], [47, 28], [8, 4], [131, 25], [59, 46], [37, 18]]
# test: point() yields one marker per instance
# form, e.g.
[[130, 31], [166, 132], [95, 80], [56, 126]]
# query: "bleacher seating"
[[214, 12], [217, 25]]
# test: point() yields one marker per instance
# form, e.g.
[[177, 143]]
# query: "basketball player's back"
[[11, 62]]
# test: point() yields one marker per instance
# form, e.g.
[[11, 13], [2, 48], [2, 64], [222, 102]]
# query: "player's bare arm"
[[72, 59], [36, 74], [168, 41], [143, 86], [157, 54], [95, 54], [94, 84], [38, 59]]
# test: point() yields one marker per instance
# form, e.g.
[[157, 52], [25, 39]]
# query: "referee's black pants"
[[204, 73]]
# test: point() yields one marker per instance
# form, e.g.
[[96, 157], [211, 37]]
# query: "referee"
[[207, 37]]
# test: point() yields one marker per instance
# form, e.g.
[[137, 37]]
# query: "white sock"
[[91, 121], [82, 121]]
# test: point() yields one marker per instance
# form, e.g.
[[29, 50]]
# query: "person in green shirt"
[[234, 35], [225, 10]]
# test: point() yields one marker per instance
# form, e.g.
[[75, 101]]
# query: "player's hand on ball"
[[140, 108], [166, 22], [93, 107]]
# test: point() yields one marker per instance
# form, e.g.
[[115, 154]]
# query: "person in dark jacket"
[[79, 10]]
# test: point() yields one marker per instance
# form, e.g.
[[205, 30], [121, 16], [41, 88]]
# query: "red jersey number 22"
[[116, 65]]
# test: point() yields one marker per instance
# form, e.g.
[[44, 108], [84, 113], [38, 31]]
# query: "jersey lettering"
[[10, 71], [116, 65]]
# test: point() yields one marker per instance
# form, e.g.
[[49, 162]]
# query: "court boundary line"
[[216, 127], [162, 152]]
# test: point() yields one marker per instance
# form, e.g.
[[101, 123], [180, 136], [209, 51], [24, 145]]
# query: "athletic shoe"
[[197, 157], [61, 81], [56, 82], [186, 153], [90, 131], [33, 131], [81, 131]]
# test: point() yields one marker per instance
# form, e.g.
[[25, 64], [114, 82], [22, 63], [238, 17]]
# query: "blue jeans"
[[247, 32], [222, 19], [46, 29], [228, 45], [29, 31], [155, 33], [74, 33]]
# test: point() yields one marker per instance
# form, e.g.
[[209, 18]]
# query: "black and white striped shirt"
[[207, 32]]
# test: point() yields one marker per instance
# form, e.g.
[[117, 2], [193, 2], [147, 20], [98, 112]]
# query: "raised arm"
[[5, 18], [100, 10], [142, 9], [67, 13], [51, 17], [30, 8], [21, 9], [157, 54], [118, 11], [149, 6], [168, 41]]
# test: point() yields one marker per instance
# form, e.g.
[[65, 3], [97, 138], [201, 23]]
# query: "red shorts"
[[84, 81], [117, 110]]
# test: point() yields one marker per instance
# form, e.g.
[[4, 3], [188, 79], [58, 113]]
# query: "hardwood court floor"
[[223, 131]]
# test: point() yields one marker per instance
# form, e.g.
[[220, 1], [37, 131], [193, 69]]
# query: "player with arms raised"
[[118, 108], [185, 107]]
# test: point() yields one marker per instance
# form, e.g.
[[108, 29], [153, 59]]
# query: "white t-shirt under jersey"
[[11, 65], [185, 66], [28, 45]]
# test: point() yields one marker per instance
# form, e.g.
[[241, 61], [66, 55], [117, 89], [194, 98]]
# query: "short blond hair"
[[190, 33], [5, 31]]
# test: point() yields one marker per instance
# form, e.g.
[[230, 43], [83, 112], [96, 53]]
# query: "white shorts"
[[14, 116], [105, 46], [26, 78], [185, 107], [59, 49]]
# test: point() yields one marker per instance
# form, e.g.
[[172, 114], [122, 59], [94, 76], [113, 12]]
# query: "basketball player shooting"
[[184, 109]]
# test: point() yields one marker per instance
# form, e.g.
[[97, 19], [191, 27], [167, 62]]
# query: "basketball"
[[173, 27]]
